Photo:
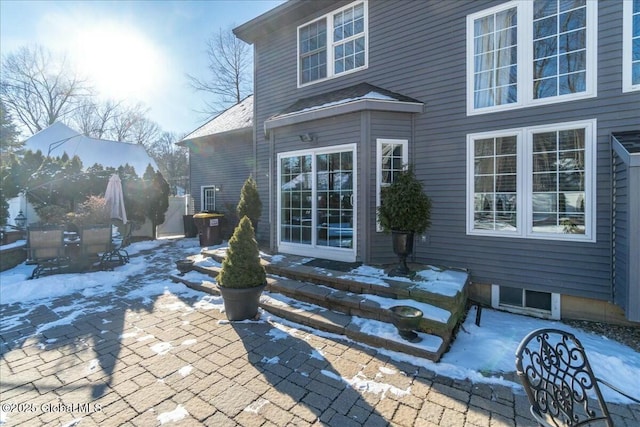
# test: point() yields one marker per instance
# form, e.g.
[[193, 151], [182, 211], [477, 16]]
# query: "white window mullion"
[[525, 52], [314, 200], [628, 14], [521, 185]]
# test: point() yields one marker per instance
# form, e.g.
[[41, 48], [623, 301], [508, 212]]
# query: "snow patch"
[[273, 361], [161, 348], [176, 415], [255, 407], [185, 370]]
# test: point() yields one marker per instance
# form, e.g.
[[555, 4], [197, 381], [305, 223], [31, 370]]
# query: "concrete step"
[[376, 333]]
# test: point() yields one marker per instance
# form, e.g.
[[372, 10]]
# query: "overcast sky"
[[133, 50]]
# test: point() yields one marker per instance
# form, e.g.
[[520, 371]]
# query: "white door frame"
[[314, 250]]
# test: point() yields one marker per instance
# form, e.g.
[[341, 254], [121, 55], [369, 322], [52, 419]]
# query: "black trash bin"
[[209, 228], [189, 224]]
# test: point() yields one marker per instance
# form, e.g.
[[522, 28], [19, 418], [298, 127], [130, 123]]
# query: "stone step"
[[444, 288], [376, 333], [436, 320]]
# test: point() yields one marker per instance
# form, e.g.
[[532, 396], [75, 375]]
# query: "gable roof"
[[58, 139], [363, 96], [271, 20], [238, 117], [358, 92]]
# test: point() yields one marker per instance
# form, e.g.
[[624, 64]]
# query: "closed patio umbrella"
[[115, 199]]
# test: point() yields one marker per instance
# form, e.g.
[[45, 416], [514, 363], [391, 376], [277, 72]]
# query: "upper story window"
[[631, 46], [529, 53], [333, 44]]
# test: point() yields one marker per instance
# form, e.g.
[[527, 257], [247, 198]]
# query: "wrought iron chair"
[[118, 253], [559, 382], [95, 243], [45, 245]]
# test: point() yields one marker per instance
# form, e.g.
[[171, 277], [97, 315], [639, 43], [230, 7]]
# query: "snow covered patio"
[[131, 346]]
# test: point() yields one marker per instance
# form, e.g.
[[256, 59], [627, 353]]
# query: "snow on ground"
[[482, 353]]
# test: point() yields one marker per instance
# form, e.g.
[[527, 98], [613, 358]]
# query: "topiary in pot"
[[405, 210], [250, 204], [242, 278]]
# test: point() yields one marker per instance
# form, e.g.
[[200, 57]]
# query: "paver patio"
[[175, 359]]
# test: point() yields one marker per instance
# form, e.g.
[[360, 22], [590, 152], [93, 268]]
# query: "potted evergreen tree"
[[405, 210], [250, 204], [242, 277]]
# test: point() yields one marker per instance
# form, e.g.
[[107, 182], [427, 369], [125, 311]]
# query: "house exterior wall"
[[621, 231], [626, 242], [418, 49], [225, 162]]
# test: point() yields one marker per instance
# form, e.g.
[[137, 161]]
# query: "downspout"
[[363, 193], [272, 226]]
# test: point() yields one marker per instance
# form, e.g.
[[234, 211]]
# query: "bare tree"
[[38, 88], [172, 160], [230, 69], [144, 131], [96, 119], [116, 121], [131, 124]]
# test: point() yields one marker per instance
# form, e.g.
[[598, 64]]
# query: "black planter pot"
[[406, 319], [184, 266], [402, 247], [241, 304]]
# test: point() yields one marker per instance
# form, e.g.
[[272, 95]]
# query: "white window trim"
[[332, 253], [471, 182], [525, 59], [524, 227], [554, 314], [627, 31], [329, 44], [405, 165], [204, 187]]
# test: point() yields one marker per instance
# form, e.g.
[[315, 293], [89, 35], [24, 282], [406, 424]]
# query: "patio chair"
[[118, 254], [95, 243], [560, 384], [45, 246]]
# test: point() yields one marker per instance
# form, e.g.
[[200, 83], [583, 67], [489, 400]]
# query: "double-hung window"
[[208, 198], [536, 182], [392, 157], [631, 46], [526, 53], [333, 44]]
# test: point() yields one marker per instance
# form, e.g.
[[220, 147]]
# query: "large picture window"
[[531, 52], [631, 46], [533, 182], [333, 44]]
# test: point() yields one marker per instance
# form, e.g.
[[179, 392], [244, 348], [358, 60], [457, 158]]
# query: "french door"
[[316, 202]]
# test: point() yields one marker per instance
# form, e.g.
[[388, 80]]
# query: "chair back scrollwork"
[[558, 379]]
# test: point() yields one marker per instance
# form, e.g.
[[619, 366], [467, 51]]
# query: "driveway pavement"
[[174, 359]]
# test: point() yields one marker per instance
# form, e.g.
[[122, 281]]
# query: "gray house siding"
[[621, 231], [418, 49], [225, 162], [626, 219]]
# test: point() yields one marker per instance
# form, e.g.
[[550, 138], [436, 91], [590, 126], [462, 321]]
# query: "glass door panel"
[[334, 193], [296, 199]]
